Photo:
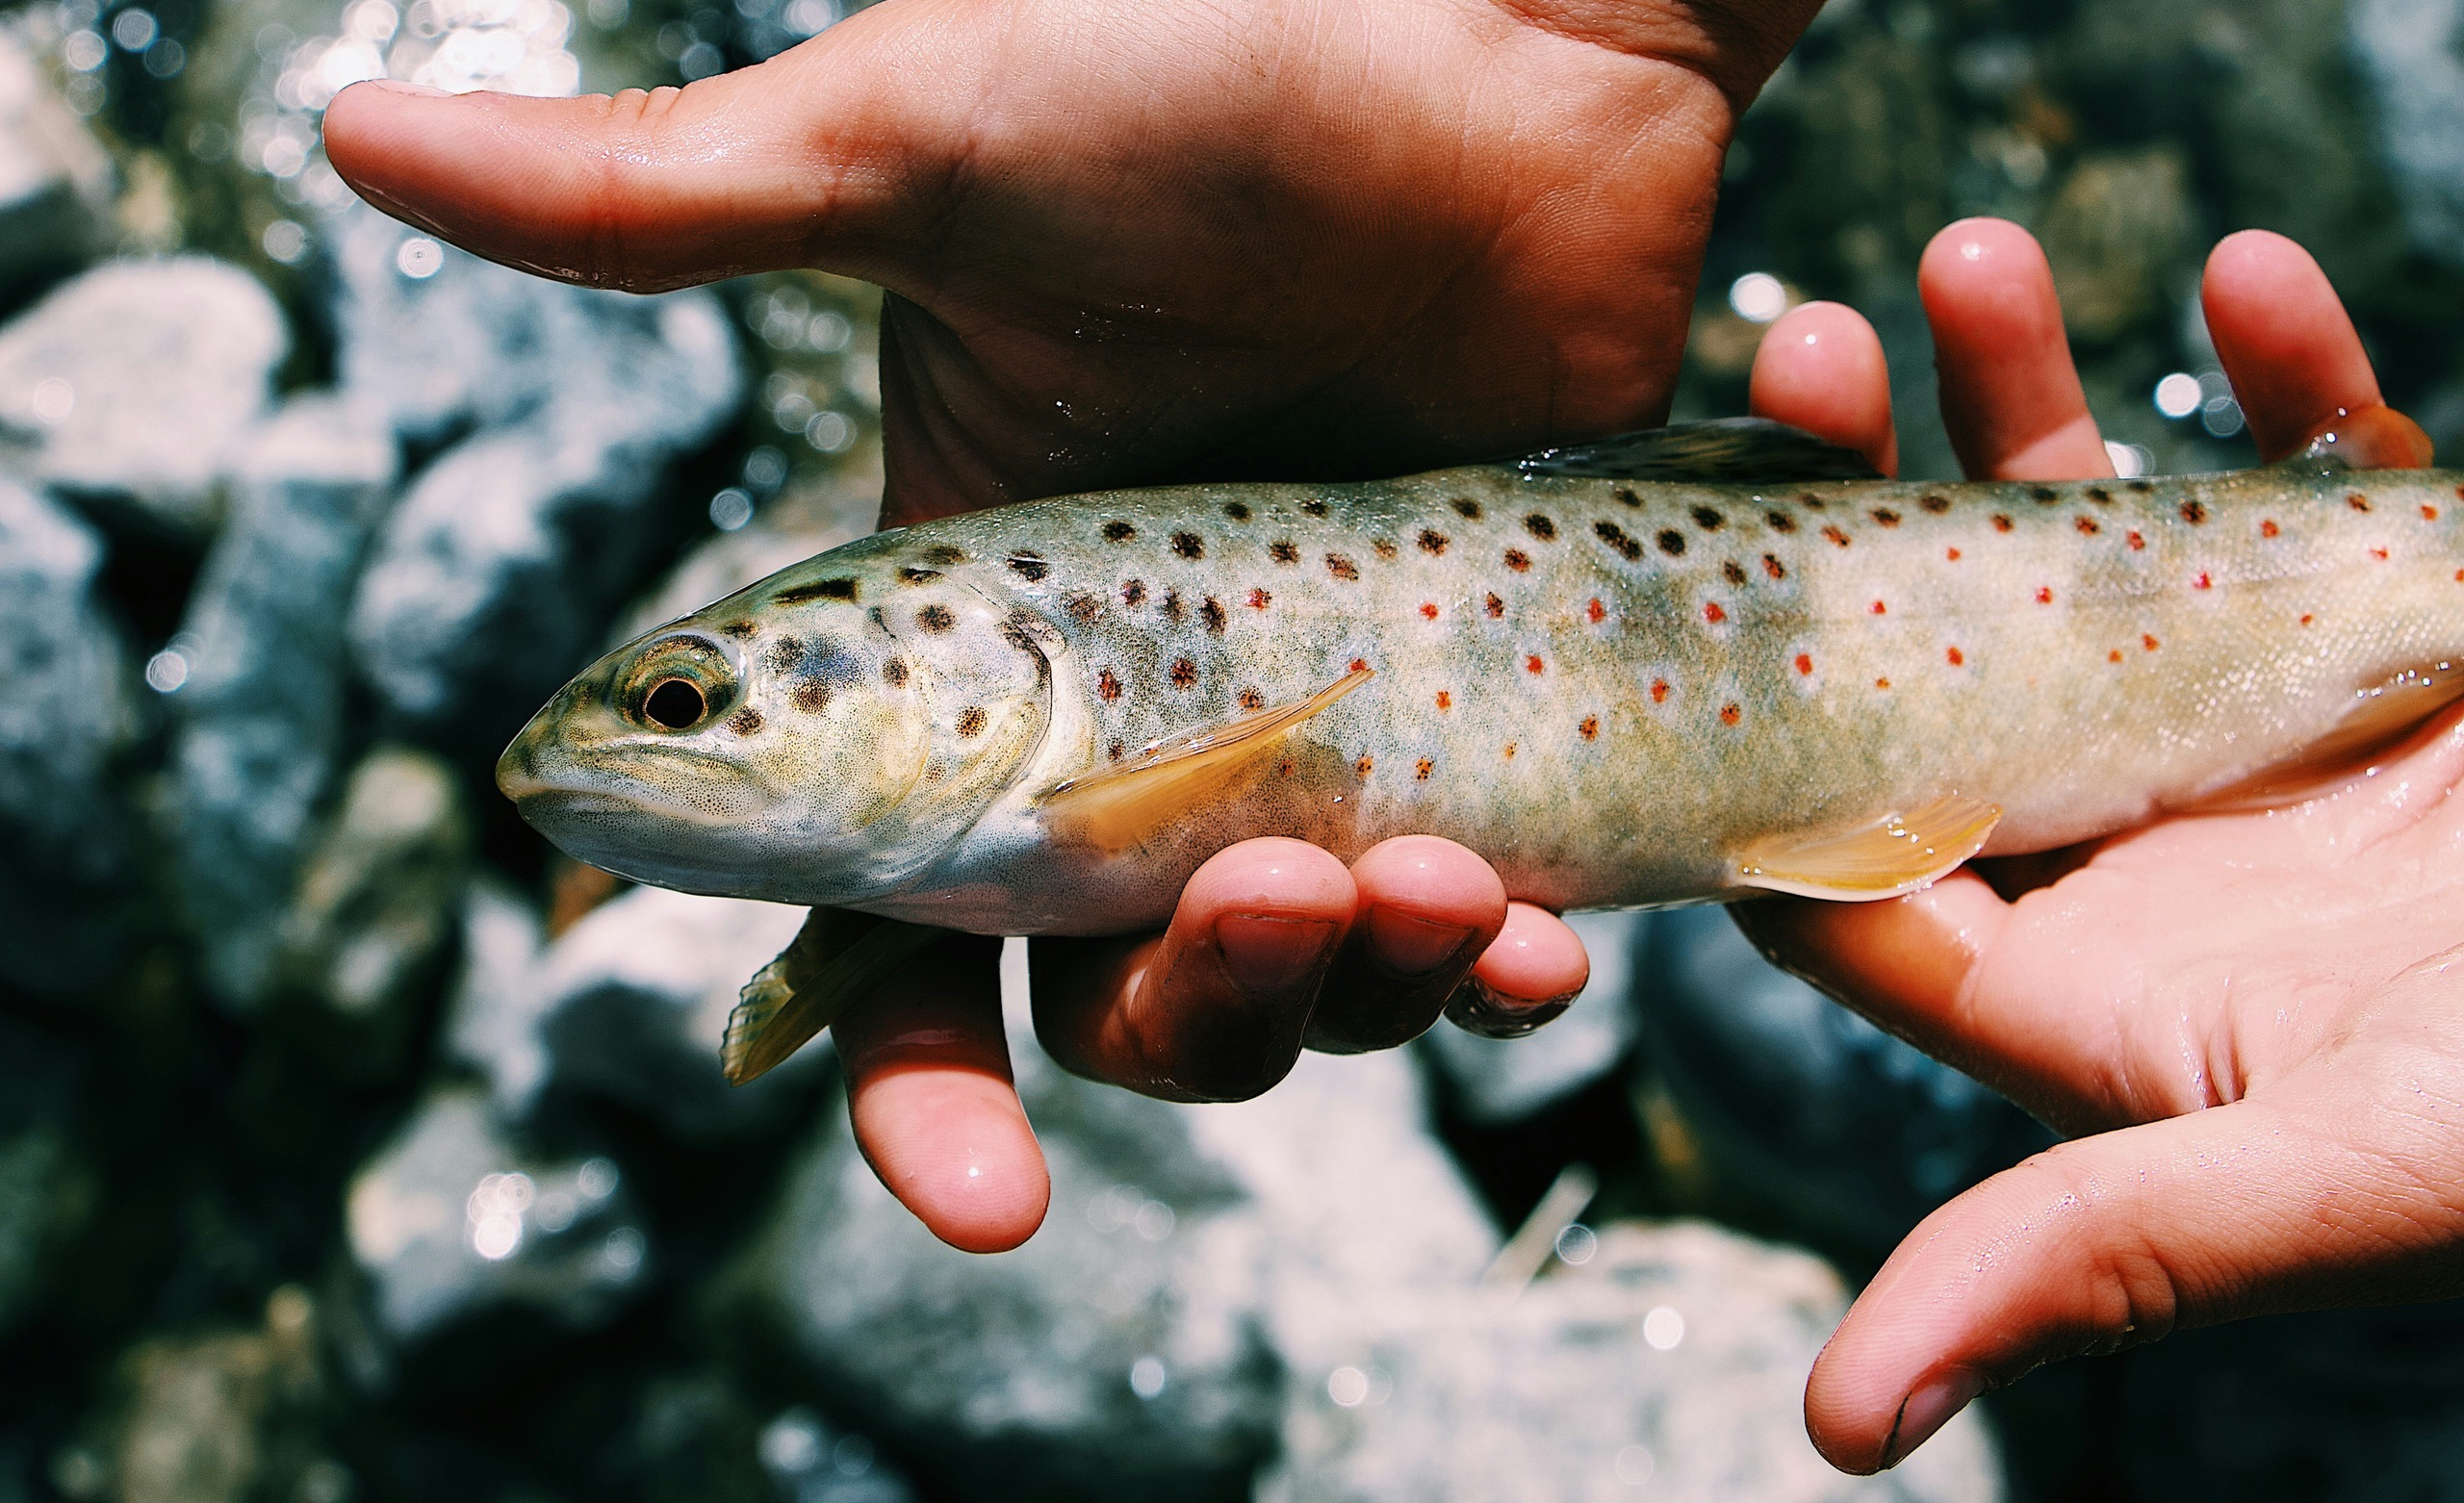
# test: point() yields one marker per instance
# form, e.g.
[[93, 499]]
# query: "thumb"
[[817, 157], [2113, 1241]]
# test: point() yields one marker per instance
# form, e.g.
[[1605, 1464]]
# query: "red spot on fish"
[[1362, 766], [1590, 727], [2307, 617], [1771, 565], [1259, 599], [1252, 700], [2044, 595], [1108, 686], [1728, 714], [1713, 613], [1879, 608], [2202, 582], [2357, 501], [1835, 535], [1532, 665], [2114, 656], [2269, 530], [2429, 512], [1596, 611], [1953, 555], [1445, 700], [1184, 674], [1509, 751], [1359, 665], [1659, 691], [2379, 553], [1956, 656], [1284, 767], [1805, 663], [2001, 524], [2148, 642], [2087, 526], [1421, 772], [1882, 683], [1497, 607], [1517, 560], [1428, 612], [2137, 541]]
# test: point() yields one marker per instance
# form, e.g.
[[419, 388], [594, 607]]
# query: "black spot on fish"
[[2142, 487], [1672, 542], [819, 589], [894, 672], [1314, 508], [810, 696], [1119, 532], [1385, 548], [1029, 566], [2194, 513], [1211, 612], [1113, 751], [1781, 522], [1282, 551], [1189, 544], [1085, 609], [1884, 515], [1172, 608], [1541, 526], [741, 629], [1184, 674], [1432, 542], [1133, 593], [1810, 500], [1467, 508], [1238, 511], [1936, 504], [1342, 567], [944, 554], [745, 721], [914, 575], [1733, 572], [1252, 700], [971, 721], [1107, 685], [1626, 495], [936, 619], [1615, 537], [784, 654], [1708, 519], [2001, 524], [1772, 566], [2100, 496], [1496, 607], [2044, 495], [1517, 560]]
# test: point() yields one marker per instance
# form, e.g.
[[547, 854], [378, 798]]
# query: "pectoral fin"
[[1121, 806], [834, 960], [1894, 855]]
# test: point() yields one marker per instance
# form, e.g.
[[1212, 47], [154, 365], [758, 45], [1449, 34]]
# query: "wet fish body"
[[1621, 691]]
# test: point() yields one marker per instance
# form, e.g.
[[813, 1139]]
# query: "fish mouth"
[[565, 786]]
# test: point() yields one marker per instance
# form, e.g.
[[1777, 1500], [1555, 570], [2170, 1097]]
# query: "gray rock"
[[135, 383], [1670, 1365], [627, 1005], [55, 178], [265, 675], [378, 895], [1493, 1081], [2405, 52], [1129, 1350], [67, 713], [38, 1079], [452, 1223], [1845, 1133], [812, 1460], [222, 1417]]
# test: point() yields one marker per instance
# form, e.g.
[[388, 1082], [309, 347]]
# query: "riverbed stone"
[[55, 178]]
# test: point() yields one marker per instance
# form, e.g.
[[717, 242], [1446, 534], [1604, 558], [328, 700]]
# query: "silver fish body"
[[1609, 688]]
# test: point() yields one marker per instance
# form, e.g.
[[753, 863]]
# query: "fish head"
[[793, 742]]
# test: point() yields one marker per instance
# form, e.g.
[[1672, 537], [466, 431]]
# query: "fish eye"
[[676, 704]]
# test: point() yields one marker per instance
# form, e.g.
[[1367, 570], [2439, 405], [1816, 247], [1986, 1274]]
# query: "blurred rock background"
[[356, 1146]]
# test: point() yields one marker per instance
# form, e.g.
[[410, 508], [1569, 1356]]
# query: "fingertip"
[[1430, 877], [1821, 367], [1535, 962], [956, 1149], [1268, 877], [2284, 339], [2011, 397]]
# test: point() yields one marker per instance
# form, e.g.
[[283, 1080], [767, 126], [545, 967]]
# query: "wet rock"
[[38, 1078], [627, 1005], [1670, 1363], [1129, 1350], [451, 1224], [1501, 1080], [812, 1460], [1793, 1105], [55, 178], [378, 895], [261, 678], [135, 384], [218, 1419], [69, 711], [2405, 52], [790, 529]]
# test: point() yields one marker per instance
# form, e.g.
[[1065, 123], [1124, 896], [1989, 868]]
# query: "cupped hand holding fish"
[[2256, 1018], [1134, 241]]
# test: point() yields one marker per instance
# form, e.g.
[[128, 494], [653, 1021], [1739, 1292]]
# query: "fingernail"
[[1475, 1008], [403, 86], [1272, 954], [1410, 946], [1928, 1409]]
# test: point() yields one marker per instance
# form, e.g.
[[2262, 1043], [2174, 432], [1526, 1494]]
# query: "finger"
[[2011, 396], [1428, 909], [1529, 974], [1214, 1008], [814, 156], [930, 1096], [1820, 368], [2316, 1198], [2297, 364]]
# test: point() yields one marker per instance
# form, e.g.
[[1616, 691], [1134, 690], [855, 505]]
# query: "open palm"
[[2252, 1014]]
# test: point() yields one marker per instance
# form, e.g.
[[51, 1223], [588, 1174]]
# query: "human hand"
[[1131, 242], [2257, 1015]]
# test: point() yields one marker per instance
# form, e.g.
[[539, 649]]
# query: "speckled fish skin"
[[1606, 688]]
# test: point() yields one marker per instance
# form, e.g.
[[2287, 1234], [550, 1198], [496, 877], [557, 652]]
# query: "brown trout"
[[1681, 665]]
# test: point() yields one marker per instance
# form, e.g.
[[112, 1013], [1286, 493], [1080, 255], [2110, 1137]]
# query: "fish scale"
[[1609, 687]]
